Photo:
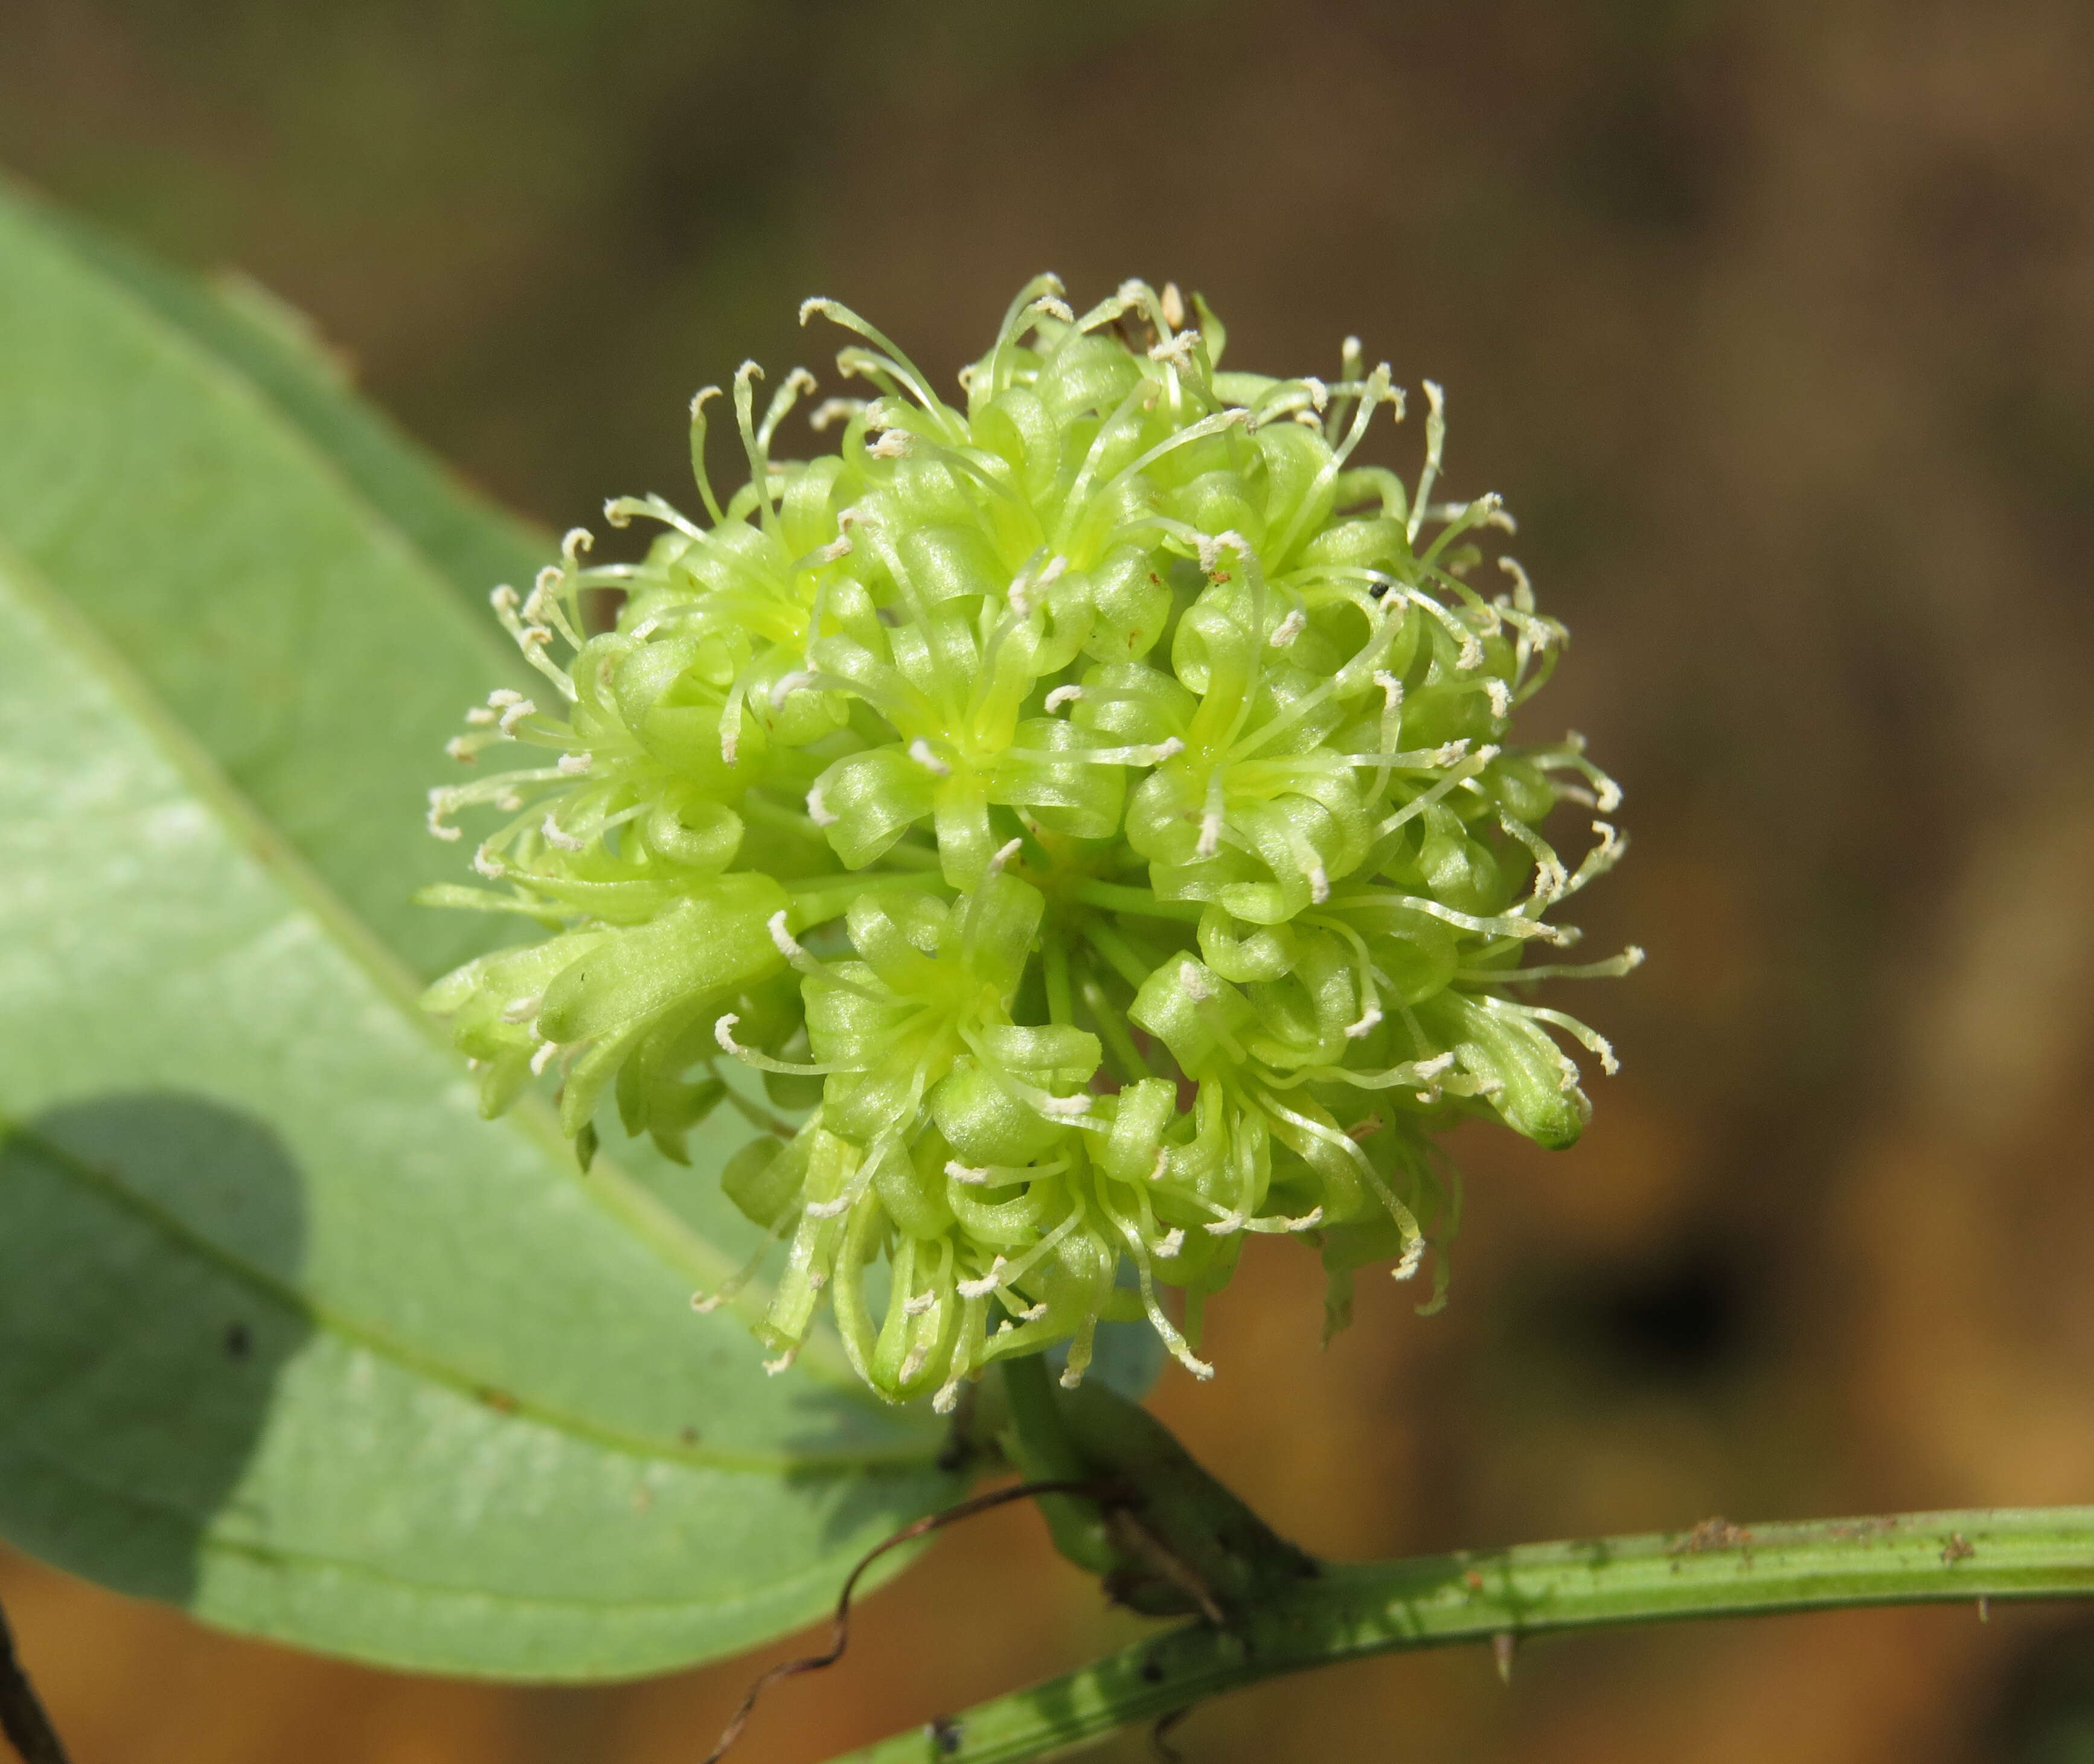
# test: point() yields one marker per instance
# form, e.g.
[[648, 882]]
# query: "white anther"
[[967, 1173], [515, 713], [489, 866], [730, 731], [828, 1208], [1071, 1378], [891, 445], [1079, 1104], [784, 1362], [1162, 1164], [1174, 306], [1211, 834], [835, 550], [543, 1057], [987, 1284], [1053, 309], [1319, 882], [1169, 748], [1178, 351], [440, 805], [723, 1033], [1309, 1221], [555, 834], [1500, 695], [459, 748], [616, 515], [1234, 1222], [480, 716], [1053, 573], [818, 811], [1210, 549], [524, 1009], [1062, 695], [1169, 1246], [503, 599], [1003, 856], [576, 763], [1032, 1313], [1391, 688], [509, 802], [947, 1397], [788, 685], [1195, 987], [830, 409], [533, 636], [1289, 628], [1368, 1019], [575, 541], [919, 750], [1414, 1254], [783, 940], [921, 1302], [503, 696]]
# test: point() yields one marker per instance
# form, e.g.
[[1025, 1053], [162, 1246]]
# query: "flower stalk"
[[1716, 1569]]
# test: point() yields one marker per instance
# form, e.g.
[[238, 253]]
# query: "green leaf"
[[288, 1335]]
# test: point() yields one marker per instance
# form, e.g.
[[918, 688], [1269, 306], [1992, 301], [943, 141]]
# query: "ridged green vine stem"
[[1717, 1570]]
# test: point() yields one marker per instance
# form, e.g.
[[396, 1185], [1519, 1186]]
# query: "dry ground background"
[[1771, 322]]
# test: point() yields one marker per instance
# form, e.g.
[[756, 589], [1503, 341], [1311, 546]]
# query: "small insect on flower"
[[1093, 809]]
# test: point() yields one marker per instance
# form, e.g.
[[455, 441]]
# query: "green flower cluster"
[[1093, 808]]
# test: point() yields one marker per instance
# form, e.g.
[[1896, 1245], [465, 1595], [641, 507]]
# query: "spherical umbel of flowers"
[[1092, 809]]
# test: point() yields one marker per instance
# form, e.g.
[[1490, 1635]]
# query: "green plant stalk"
[[1428, 1601]]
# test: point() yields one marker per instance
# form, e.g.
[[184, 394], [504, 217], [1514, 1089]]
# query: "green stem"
[[814, 903], [1118, 899], [1716, 1571]]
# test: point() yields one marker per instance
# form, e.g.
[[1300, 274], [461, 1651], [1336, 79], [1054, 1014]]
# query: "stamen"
[[439, 807], [576, 763], [1062, 695], [818, 811], [832, 410], [987, 1284], [1002, 857], [1288, 629], [919, 750], [783, 940], [556, 835], [543, 1057]]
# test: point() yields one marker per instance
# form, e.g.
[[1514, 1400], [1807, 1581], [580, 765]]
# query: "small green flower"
[[1093, 807]]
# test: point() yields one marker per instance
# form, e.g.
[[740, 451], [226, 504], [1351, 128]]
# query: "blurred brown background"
[[1771, 322]]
